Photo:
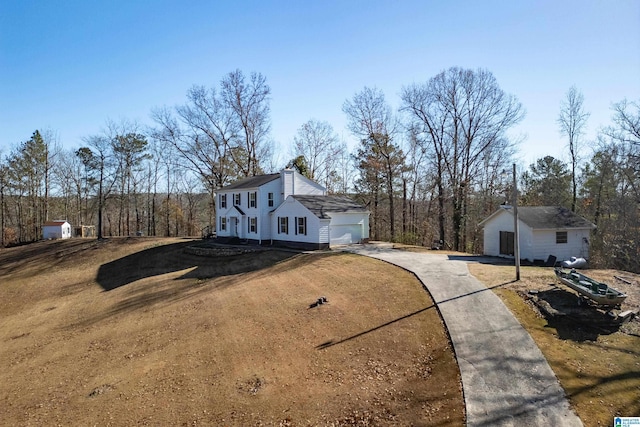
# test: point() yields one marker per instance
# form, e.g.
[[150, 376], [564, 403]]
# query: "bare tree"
[[572, 121], [320, 146], [4, 173], [611, 191], [379, 158], [627, 123], [68, 177], [201, 134], [626, 134], [249, 101], [430, 131], [98, 158], [342, 180], [461, 114], [220, 136]]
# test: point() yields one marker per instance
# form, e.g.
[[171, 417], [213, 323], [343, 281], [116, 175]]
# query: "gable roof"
[[546, 217], [551, 217], [56, 223], [251, 182], [321, 205]]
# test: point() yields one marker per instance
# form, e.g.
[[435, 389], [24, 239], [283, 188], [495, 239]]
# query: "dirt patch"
[[561, 306], [138, 332]]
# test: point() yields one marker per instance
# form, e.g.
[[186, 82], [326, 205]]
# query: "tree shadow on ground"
[[39, 257], [574, 322], [331, 343], [212, 273], [172, 258]]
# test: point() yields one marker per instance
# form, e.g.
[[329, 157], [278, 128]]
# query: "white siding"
[[545, 244], [347, 228], [503, 221], [527, 241], [62, 231], [226, 213], [354, 226], [232, 214], [304, 186], [323, 230], [294, 183], [535, 244], [287, 180], [265, 227], [292, 209]]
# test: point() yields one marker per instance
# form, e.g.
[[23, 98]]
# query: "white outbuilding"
[[543, 231], [56, 230]]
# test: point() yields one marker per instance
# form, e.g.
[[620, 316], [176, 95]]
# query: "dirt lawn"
[[138, 332], [597, 360]]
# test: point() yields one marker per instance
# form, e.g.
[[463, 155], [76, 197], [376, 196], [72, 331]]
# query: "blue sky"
[[69, 66]]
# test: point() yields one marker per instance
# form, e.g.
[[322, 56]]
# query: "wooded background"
[[430, 171]]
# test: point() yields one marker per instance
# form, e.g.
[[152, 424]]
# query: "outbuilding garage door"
[[345, 234]]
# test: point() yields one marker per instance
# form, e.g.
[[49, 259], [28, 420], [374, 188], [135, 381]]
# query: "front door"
[[506, 243], [234, 226]]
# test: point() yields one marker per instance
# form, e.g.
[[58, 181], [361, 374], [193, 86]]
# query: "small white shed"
[[56, 230], [543, 231]]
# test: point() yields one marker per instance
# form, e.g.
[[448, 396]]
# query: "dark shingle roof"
[[549, 217], [56, 223], [321, 205], [251, 182]]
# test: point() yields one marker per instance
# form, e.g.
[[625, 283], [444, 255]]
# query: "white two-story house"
[[287, 209]]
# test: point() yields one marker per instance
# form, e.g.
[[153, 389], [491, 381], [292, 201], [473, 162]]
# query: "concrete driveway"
[[505, 378]]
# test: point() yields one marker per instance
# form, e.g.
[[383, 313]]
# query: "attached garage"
[[345, 234], [319, 222]]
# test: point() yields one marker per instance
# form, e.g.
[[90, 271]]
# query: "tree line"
[[428, 171]]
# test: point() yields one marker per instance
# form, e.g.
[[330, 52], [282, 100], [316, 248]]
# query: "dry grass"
[[599, 368], [136, 332]]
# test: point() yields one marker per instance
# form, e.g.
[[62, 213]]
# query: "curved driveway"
[[505, 378]]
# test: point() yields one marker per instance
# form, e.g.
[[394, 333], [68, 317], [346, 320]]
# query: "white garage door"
[[345, 234]]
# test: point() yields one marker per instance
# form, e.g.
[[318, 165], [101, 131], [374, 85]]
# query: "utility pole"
[[516, 240]]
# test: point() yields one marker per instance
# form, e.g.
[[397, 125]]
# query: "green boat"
[[598, 292]]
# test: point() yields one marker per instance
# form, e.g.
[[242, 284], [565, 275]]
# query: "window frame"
[[253, 225], [223, 201], [301, 225], [236, 199], [562, 237], [223, 223], [283, 225], [270, 199], [253, 199]]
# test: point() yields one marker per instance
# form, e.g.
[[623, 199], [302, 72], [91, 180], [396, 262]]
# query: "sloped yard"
[[139, 332]]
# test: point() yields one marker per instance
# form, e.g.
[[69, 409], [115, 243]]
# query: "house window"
[[283, 225], [270, 200], [253, 225], [236, 199], [252, 199], [301, 225], [561, 237], [223, 223], [223, 201]]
